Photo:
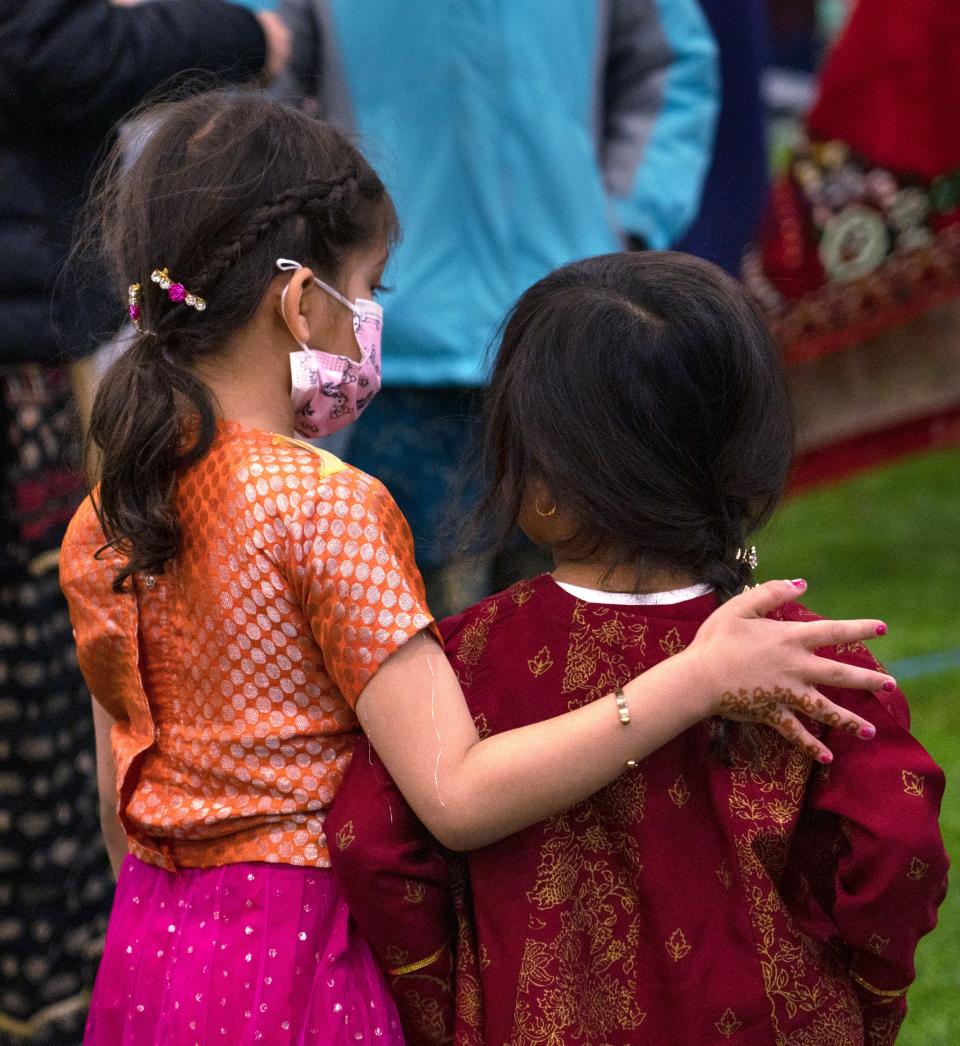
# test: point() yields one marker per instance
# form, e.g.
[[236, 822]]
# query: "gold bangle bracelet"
[[415, 967], [623, 709], [882, 992]]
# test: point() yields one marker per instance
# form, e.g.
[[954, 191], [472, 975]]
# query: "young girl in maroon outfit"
[[725, 888]]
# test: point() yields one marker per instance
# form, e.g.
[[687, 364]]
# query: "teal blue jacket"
[[514, 136]]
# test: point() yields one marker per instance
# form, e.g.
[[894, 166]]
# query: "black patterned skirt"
[[55, 883]]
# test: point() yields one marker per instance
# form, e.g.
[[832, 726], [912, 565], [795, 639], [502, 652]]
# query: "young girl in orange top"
[[245, 604]]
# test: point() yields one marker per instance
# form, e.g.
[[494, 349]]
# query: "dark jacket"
[[69, 70]]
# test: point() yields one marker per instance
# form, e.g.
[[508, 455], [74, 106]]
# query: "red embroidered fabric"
[[690, 901]]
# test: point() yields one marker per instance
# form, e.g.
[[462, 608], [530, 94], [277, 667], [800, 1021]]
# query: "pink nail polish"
[[798, 582], [866, 732], [825, 757], [889, 686], [881, 630]]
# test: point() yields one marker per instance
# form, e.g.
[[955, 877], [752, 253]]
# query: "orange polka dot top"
[[233, 675]]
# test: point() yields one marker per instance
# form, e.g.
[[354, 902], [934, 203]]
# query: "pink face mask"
[[330, 391]]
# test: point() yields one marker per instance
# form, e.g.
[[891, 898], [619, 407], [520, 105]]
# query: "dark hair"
[[644, 391], [226, 182]]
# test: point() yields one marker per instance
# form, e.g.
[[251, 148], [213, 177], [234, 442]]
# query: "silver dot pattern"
[[294, 583]]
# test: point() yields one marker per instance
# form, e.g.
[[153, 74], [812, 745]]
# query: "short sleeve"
[[354, 566], [104, 622]]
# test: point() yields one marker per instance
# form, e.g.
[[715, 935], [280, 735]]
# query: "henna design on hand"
[[770, 707]]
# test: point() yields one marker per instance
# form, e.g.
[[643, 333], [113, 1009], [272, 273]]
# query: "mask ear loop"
[[288, 265]]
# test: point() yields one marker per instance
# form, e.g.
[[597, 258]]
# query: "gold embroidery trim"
[[421, 964], [897, 994], [331, 462]]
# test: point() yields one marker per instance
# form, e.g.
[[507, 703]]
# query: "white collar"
[[655, 599]]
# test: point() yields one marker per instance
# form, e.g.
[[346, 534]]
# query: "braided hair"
[[643, 391], [226, 182]]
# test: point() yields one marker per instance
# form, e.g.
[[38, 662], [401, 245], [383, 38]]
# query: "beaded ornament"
[[133, 306], [176, 292]]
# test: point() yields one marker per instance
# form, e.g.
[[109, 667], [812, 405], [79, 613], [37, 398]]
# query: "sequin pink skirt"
[[240, 954]]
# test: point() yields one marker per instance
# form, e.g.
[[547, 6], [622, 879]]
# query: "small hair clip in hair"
[[176, 292], [748, 556], [133, 306]]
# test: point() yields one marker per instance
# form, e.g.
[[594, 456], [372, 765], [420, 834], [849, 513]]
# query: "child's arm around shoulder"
[[395, 878], [890, 876]]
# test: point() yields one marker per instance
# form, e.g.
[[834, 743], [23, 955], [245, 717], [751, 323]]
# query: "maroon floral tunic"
[[761, 900]]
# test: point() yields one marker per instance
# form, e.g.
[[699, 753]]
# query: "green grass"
[[887, 544]]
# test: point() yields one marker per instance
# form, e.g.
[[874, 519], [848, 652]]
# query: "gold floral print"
[[677, 945], [725, 875], [345, 835], [781, 812], [541, 662], [855, 647], [918, 869], [728, 1023], [912, 783], [580, 985], [811, 999], [883, 1031], [680, 792], [427, 1017], [521, 593], [469, 1000], [475, 635], [414, 892], [877, 944], [594, 664], [671, 643]]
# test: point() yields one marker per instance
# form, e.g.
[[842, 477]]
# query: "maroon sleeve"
[[394, 877], [871, 848]]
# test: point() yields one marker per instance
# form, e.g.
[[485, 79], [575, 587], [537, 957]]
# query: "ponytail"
[[141, 443]]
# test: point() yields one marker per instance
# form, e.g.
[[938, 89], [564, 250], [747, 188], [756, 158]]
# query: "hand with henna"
[[765, 671]]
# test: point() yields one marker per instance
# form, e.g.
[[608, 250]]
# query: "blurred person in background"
[[736, 183], [857, 260], [69, 70], [512, 141]]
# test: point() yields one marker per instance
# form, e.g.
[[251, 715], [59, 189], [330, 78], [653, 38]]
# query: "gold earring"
[[540, 512]]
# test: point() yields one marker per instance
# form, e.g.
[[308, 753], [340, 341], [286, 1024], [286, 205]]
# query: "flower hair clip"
[[176, 292]]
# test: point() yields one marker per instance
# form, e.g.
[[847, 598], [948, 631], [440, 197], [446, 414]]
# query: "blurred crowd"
[[809, 148]]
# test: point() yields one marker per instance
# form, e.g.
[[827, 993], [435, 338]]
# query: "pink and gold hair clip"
[[176, 292], [133, 306]]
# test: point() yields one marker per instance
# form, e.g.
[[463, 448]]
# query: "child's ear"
[[290, 304], [539, 517]]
